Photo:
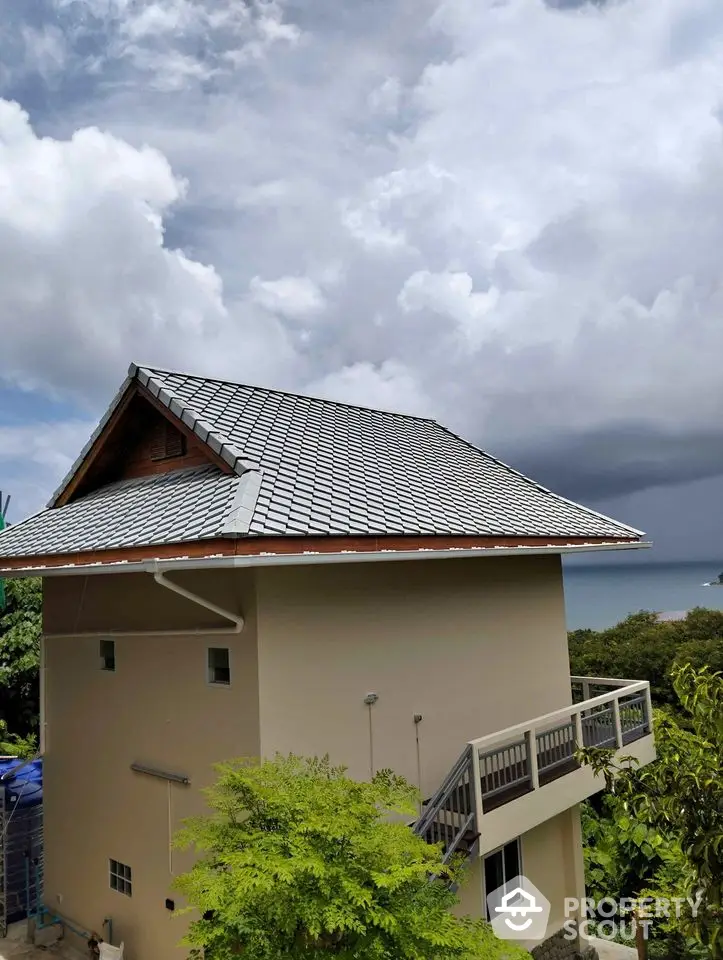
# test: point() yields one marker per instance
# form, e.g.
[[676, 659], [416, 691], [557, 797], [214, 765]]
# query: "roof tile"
[[322, 467]]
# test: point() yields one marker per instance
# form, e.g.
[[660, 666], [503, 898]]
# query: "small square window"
[[107, 655], [219, 667], [120, 877]]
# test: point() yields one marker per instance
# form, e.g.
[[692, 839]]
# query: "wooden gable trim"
[[255, 546], [106, 436], [91, 456]]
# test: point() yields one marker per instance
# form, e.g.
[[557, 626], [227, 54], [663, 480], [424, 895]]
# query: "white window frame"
[[102, 658], [123, 880], [218, 683], [491, 853]]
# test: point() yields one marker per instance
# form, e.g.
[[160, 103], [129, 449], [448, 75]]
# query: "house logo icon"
[[518, 911]]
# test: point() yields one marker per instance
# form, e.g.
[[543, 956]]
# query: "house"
[[233, 571]]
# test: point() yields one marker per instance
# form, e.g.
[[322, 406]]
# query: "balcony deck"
[[514, 779], [611, 719]]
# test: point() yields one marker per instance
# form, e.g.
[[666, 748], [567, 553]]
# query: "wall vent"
[[167, 442]]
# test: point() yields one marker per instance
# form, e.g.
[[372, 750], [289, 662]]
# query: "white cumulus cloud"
[[297, 298], [507, 214]]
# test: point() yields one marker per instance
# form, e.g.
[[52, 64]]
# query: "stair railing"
[[451, 812]]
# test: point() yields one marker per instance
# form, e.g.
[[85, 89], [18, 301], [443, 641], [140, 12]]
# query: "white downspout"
[[42, 745], [236, 619]]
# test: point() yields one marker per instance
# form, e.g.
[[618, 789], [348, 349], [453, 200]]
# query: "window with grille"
[[120, 878], [107, 655], [219, 665], [167, 441]]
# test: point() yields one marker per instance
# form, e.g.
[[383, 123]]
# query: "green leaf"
[[297, 860], [663, 825]]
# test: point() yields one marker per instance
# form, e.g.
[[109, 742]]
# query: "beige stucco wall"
[[552, 860], [472, 645], [471, 892], [156, 709]]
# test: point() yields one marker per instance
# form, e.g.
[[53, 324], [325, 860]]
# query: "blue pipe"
[[60, 921], [42, 911]]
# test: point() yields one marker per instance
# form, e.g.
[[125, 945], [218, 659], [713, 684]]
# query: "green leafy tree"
[[20, 629], [298, 860], [642, 648], [13, 746], [626, 859], [622, 855], [680, 797]]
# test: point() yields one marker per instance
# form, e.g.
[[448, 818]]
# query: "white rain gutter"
[[237, 620], [300, 559]]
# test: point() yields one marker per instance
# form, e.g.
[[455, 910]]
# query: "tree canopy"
[[20, 628], [643, 648], [298, 860], [668, 815]]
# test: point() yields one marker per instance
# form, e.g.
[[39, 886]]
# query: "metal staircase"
[[450, 817], [501, 768]]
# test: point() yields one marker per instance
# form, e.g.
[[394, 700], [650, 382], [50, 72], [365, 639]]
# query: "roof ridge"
[[206, 432], [284, 393], [511, 470], [539, 486]]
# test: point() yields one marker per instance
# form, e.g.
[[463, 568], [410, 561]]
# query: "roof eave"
[[310, 557]]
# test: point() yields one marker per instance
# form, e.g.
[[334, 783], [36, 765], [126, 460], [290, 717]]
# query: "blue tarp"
[[25, 788]]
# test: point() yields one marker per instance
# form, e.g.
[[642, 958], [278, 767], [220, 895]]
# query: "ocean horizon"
[[601, 595]]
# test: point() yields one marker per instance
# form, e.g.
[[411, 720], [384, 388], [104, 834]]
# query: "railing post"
[[532, 757], [648, 709], [477, 793], [585, 689], [578, 730], [618, 725]]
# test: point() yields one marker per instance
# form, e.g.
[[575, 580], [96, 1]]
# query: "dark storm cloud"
[[503, 215], [621, 460]]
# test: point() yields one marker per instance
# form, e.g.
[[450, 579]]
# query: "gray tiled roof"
[[189, 504], [304, 466]]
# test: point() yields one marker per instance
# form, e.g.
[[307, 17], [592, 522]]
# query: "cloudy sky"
[[506, 214]]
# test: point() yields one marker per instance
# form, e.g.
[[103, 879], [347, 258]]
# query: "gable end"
[[141, 437]]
